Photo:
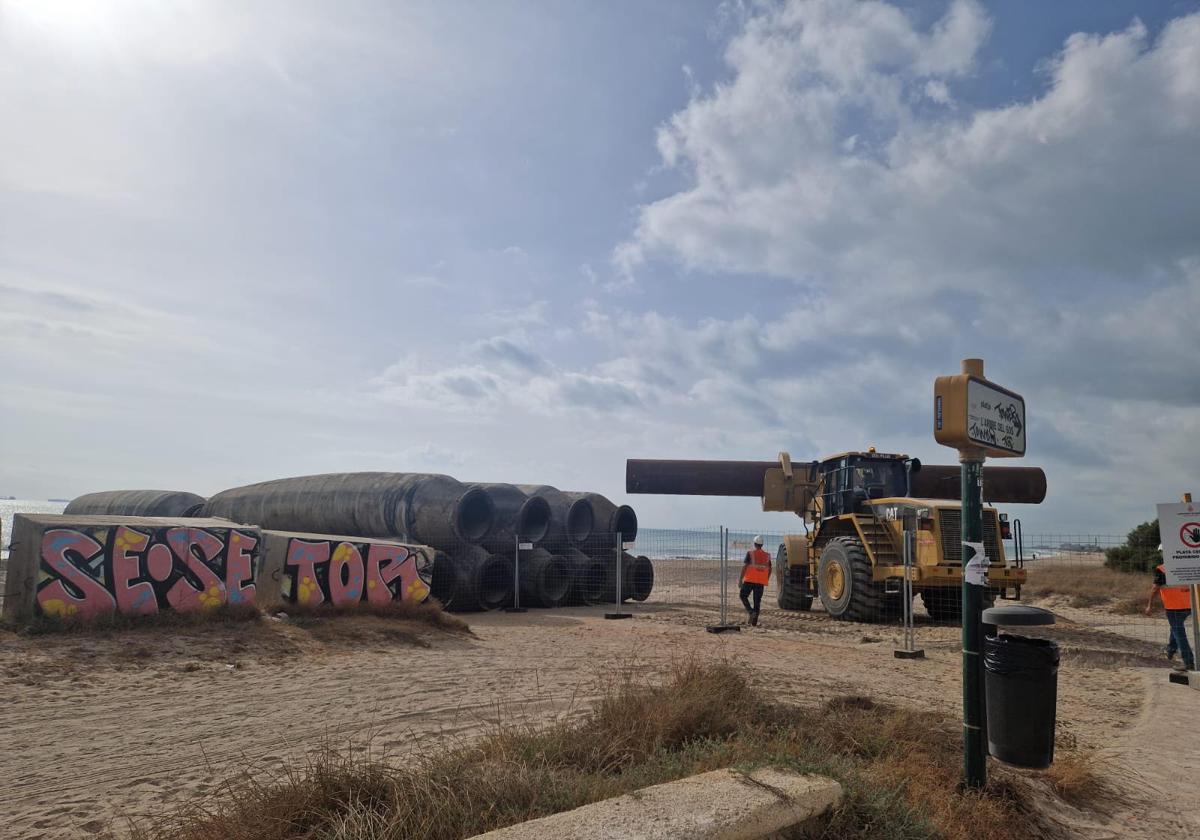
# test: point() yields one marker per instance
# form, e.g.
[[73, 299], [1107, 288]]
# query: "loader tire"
[[844, 582], [791, 596], [945, 603]]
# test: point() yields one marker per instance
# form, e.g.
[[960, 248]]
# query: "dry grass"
[[1091, 586], [900, 770], [429, 613], [1077, 779], [225, 614]]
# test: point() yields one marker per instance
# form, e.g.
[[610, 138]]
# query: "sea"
[[8, 507]]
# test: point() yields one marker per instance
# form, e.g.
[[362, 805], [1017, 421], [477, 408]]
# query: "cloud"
[[989, 199], [512, 351]]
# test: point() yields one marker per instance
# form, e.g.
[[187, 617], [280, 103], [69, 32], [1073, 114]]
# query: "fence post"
[[620, 572], [516, 604], [723, 626], [910, 650]]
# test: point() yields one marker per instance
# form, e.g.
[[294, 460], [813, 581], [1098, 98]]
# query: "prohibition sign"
[[1189, 534]]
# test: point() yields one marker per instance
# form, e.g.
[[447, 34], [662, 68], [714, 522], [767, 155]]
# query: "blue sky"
[[527, 241]]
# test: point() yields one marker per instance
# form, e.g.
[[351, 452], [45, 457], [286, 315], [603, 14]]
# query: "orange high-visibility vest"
[[1175, 597], [758, 570]]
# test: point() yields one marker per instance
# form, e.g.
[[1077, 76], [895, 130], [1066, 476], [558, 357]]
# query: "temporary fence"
[[1079, 577]]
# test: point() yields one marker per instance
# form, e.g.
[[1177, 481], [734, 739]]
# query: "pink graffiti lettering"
[[159, 562], [345, 575], [239, 568], [185, 596], [132, 598], [304, 557], [379, 576], [57, 598]]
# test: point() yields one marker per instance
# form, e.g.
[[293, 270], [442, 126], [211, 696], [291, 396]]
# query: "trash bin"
[[1021, 683]]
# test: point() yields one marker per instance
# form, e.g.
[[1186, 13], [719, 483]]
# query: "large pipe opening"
[[475, 515], [589, 581], [533, 522], [555, 583], [626, 523], [640, 577], [495, 583], [581, 520], [445, 579]]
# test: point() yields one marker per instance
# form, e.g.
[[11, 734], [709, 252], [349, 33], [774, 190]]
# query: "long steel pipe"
[[1008, 485], [136, 503]]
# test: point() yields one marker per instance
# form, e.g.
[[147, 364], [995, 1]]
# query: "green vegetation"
[[900, 770], [1140, 552]]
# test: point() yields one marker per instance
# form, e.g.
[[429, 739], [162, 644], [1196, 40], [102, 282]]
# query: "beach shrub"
[[1139, 553]]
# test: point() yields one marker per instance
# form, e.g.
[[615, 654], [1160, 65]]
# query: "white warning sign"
[[1179, 527]]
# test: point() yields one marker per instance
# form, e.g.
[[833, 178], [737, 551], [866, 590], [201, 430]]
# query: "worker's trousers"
[[748, 589], [1179, 640]]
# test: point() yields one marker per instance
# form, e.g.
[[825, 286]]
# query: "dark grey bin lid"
[[1019, 615]]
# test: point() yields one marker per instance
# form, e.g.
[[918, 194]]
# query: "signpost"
[[1179, 528], [978, 418]]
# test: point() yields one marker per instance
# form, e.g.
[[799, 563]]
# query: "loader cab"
[[853, 479]]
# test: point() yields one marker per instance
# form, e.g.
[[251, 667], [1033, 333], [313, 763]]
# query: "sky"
[[526, 241]]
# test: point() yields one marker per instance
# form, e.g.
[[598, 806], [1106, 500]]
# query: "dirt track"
[[101, 728]]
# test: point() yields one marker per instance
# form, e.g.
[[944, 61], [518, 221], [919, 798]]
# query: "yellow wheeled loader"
[[859, 504]]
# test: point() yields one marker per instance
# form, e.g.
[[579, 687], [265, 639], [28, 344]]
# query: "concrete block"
[[721, 805], [90, 567], [313, 569]]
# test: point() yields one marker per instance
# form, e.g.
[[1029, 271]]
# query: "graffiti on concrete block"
[[344, 573], [91, 572]]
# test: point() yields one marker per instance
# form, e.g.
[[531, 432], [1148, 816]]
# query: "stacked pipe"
[[136, 503], [476, 529]]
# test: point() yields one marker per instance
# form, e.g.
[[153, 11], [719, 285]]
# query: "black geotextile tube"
[[445, 579], [428, 509], [639, 578], [609, 517], [545, 578], [571, 519], [587, 581], [518, 517], [136, 503], [483, 581]]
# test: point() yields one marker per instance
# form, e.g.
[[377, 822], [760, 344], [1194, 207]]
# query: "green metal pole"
[[974, 712]]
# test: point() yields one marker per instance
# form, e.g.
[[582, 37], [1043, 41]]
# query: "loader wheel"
[[945, 603], [844, 581], [791, 594]]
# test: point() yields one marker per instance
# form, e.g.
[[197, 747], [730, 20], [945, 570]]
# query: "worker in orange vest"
[[756, 573], [1177, 602]]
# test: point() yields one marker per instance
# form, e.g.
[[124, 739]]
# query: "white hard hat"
[[758, 540]]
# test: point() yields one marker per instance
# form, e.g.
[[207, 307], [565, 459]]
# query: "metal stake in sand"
[[910, 650], [978, 418], [516, 607], [620, 574], [724, 626]]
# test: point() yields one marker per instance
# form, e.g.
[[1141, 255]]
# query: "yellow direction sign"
[[971, 413]]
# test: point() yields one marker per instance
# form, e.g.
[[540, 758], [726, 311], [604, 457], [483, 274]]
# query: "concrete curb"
[[720, 805]]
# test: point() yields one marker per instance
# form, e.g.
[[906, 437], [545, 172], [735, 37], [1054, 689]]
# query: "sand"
[[98, 730]]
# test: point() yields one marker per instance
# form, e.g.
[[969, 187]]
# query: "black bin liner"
[[1021, 681]]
